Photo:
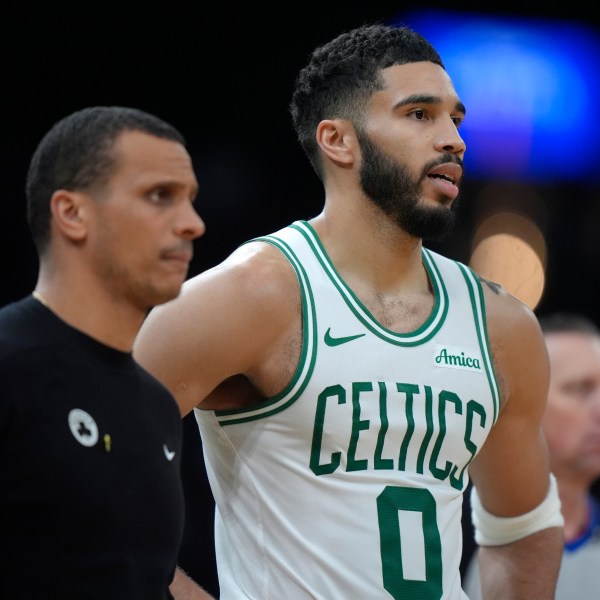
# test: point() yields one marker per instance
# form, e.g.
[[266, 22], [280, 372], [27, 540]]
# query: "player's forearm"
[[527, 568], [184, 587]]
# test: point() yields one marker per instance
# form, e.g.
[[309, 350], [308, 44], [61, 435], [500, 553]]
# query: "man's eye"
[[581, 390], [158, 195], [419, 114]]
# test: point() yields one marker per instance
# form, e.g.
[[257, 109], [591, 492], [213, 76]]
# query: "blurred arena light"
[[530, 86], [509, 249]]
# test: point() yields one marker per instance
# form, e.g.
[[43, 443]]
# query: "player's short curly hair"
[[342, 74]]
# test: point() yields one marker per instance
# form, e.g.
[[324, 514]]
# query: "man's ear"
[[68, 212], [337, 140]]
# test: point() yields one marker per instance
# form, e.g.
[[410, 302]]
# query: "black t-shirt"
[[91, 502]]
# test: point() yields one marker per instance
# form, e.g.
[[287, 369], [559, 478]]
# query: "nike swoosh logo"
[[168, 453], [336, 341]]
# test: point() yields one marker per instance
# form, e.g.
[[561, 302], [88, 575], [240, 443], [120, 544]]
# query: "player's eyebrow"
[[428, 99]]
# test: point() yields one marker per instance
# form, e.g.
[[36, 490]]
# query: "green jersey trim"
[[307, 357], [414, 338], [479, 314]]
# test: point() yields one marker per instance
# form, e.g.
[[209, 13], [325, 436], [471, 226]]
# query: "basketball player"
[[91, 502], [347, 380]]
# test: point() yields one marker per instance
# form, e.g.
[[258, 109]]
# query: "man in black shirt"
[[91, 502]]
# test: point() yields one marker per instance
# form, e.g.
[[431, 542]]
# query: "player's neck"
[[383, 259]]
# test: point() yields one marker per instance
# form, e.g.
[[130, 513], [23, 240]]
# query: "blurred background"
[[223, 74]]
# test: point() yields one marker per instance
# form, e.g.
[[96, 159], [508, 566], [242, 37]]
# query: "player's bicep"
[[185, 343], [511, 470]]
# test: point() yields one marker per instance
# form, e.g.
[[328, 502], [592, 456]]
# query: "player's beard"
[[389, 185]]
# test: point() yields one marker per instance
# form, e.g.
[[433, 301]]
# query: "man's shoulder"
[[26, 327], [15, 324]]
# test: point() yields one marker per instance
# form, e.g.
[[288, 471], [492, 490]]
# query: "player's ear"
[[337, 140], [68, 213]]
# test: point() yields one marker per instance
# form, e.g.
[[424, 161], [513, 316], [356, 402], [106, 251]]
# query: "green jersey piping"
[[420, 335], [479, 315], [307, 356], [309, 330]]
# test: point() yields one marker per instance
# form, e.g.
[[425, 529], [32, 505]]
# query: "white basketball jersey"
[[348, 485]]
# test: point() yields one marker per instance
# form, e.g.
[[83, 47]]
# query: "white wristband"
[[497, 531]]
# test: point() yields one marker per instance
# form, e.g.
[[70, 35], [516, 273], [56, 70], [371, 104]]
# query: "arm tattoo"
[[495, 287]]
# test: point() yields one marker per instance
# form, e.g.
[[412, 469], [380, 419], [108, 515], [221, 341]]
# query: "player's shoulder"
[[514, 333], [255, 271], [505, 310], [517, 346]]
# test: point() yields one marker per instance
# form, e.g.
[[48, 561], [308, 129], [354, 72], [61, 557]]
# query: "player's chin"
[[436, 201], [444, 201], [438, 206]]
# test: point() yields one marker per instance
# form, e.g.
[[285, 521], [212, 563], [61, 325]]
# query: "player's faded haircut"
[[76, 154], [342, 74]]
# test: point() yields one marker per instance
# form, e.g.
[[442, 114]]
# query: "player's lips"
[[446, 178]]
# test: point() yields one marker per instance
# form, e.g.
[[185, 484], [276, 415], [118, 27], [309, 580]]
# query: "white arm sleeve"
[[497, 531]]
